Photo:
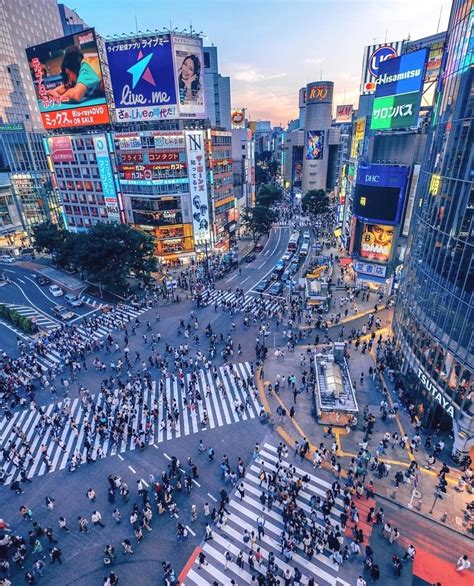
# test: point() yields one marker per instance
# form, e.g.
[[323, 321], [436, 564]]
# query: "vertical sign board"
[[189, 76], [106, 178], [411, 199], [195, 152]]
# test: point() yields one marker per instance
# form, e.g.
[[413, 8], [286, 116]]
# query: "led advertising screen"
[[314, 145], [320, 92], [143, 80], [379, 193], [376, 242], [68, 81], [398, 94], [237, 117], [189, 68], [106, 178]]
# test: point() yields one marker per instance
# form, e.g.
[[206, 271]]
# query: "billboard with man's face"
[[68, 81], [376, 242]]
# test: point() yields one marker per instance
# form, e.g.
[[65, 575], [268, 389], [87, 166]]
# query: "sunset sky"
[[271, 48]]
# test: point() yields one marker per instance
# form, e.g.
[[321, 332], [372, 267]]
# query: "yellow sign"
[[358, 137], [435, 184]]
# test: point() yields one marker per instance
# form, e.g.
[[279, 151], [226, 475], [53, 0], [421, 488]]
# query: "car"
[[250, 257], [56, 291], [72, 300], [276, 288], [306, 236], [262, 285], [63, 313], [7, 258], [287, 256], [42, 280], [293, 268], [286, 275], [258, 247]]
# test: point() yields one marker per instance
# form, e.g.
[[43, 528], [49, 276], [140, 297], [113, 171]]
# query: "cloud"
[[265, 105], [318, 61], [250, 75]]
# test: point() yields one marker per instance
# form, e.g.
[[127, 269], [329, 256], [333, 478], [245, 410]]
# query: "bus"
[[293, 243], [304, 249]]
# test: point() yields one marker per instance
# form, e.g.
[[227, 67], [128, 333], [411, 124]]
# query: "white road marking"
[[212, 497], [190, 530], [134, 471], [120, 457]]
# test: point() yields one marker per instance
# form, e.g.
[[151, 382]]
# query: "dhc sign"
[[437, 395]]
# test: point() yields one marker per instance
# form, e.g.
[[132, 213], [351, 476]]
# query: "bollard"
[[394, 494], [444, 517], [418, 506]]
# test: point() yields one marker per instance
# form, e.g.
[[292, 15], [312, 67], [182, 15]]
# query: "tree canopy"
[[315, 202], [106, 254], [258, 220], [268, 195]]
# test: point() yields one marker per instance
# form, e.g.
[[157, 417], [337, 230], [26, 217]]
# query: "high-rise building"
[[217, 88], [434, 315], [317, 121], [23, 24], [71, 21]]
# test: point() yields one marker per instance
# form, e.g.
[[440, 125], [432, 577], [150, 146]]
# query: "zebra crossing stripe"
[[230, 538]]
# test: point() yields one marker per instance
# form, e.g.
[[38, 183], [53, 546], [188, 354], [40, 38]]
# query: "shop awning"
[[345, 261]]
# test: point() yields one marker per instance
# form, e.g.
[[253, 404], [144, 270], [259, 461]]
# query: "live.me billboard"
[[398, 92]]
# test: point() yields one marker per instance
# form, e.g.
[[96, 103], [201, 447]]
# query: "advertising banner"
[[106, 178], [357, 137], [379, 193], [189, 75], [344, 113], [142, 75], [149, 171], [195, 151], [165, 140], [398, 94], [128, 142], [376, 242], [237, 117], [61, 149], [68, 81], [374, 55], [314, 145], [370, 269]]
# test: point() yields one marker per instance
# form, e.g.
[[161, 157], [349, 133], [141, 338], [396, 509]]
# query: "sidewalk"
[[447, 511]]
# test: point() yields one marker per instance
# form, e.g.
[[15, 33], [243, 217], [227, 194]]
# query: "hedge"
[[25, 324]]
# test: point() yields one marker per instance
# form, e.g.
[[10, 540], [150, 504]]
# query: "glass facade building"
[[434, 315]]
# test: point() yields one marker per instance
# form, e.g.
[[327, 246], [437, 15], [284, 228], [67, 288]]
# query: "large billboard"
[[106, 177], [61, 149], [189, 67], [195, 152], [237, 117], [314, 145], [379, 193], [344, 113], [376, 242], [374, 56], [398, 94], [143, 80], [320, 92], [68, 81]]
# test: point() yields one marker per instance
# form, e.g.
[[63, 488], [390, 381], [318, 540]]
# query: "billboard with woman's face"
[[376, 242], [189, 75], [68, 80]]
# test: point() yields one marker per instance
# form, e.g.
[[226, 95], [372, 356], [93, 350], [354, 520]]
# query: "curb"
[[427, 517]]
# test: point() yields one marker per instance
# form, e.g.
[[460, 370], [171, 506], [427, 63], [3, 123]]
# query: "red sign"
[[61, 149], [81, 116], [162, 157], [132, 157]]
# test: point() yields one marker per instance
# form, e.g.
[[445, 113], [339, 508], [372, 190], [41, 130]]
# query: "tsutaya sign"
[[435, 392]]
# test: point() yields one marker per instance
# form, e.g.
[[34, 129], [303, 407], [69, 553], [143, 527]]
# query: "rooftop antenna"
[[191, 27], [321, 75], [344, 100], [386, 32], [136, 23], [439, 19]]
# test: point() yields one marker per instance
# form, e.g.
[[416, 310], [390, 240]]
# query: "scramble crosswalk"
[[245, 302], [45, 323], [229, 538], [223, 399]]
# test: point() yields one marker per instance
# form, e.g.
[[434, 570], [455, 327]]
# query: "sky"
[[272, 48]]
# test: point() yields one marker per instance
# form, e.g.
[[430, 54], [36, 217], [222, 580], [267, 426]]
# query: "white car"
[[287, 256], [56, 291], [7, 258]]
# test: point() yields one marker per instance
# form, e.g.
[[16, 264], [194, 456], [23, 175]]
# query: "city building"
[[243, 161], [434, 314], [217, 89], [21, 129], [10, 223], [317, 121], [71, 21]]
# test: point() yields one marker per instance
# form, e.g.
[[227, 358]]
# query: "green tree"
[[49, 238], [258, 220], [108, 253], [315, 202], [269, 195]]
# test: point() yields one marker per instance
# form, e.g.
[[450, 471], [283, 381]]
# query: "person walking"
[[463, 563], [410, 553], [96, 518], [55, 554], [260, 527]]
